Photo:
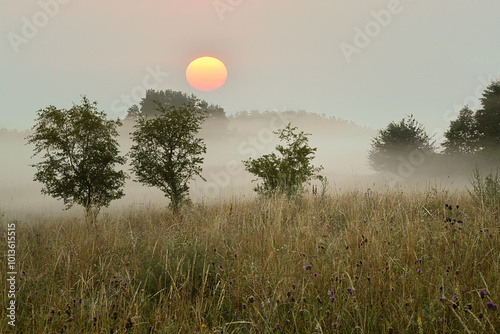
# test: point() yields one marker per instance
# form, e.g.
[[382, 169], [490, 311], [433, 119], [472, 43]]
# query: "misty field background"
[[352, 261]]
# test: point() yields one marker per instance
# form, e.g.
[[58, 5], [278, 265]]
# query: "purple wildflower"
[[315, 274], [419, 270], [349, 290], [307, 267], [278, 326], [442, 299], [330, 292], [335, 325], [230, 282], [482, 293], [491, 306], [455, 297], [332, 298], [35, 293], [221, 266]]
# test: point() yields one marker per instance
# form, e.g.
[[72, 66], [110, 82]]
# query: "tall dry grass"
[[351, 262]]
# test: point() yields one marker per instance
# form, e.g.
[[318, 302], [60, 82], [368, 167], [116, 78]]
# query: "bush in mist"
[[80, 155], [288, 173], [396, 143], [166, 153]]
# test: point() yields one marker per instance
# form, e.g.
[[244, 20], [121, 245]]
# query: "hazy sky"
[[427, 57]]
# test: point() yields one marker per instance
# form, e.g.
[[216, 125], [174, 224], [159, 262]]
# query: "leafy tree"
[[176, 99], [396, 142], [285, 174], [488, 118], [166, 153], [80, 155], [462, 136]]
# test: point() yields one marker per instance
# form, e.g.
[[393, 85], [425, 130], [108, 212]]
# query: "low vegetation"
[[347, 262]]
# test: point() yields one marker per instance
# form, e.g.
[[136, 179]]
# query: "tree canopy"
[[167, 154], [80, 154]]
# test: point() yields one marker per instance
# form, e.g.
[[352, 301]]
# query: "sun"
[[206, 74]]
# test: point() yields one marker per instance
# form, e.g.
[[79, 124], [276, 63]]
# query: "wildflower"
[[442, 320], [230, 282], [491, 306], [221, 266], [335, 325], [278, 326], [307, 267], [419, 270], [349, 291], [315, 274], [455, 297], [482, 293], [330, 292], [235, 255], [332, 299], [442, 299], [35, 293]]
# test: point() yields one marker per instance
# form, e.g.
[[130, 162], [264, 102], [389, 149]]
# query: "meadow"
[[353, 261]]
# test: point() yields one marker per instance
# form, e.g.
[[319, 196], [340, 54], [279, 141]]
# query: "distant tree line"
[[472, 138], [170, 98]]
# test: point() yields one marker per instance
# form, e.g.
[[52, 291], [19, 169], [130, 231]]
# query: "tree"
[[133, 113], [285, 174], [462, 136], [488, 118], [176, 99], [166, 153], [81, 153], [397, 142]]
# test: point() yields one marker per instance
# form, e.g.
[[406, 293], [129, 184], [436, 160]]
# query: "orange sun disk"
[[206, 74]]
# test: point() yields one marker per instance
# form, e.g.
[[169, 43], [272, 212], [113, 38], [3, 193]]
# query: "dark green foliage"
[[488, 118], [166, 153], [462, 136], [477, 133], [396, 142], [170, 98], [285, 174], [80, 154]]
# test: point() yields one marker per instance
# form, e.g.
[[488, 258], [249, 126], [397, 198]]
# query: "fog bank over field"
[[342, 148]]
